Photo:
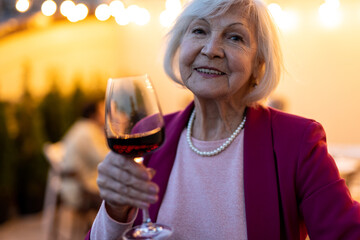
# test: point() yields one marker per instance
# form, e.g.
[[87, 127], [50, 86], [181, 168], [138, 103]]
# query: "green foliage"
[[75, 104], [7, 166], [31, 167], [53, 113]]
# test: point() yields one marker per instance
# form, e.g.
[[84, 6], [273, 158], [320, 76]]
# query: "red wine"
[[138, 144]]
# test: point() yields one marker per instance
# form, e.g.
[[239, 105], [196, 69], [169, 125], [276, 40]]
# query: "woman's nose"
[[213, 48]]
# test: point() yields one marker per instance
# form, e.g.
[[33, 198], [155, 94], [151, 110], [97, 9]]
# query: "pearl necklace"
[[217, 150]]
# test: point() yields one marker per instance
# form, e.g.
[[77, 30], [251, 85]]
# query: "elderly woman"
[[230, 168]]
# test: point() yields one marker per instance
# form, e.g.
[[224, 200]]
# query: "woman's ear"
[[258, 66]]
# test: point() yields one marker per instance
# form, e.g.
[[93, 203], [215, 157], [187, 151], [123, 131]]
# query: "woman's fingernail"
[[146, 176], [153, 198], [153, 189]]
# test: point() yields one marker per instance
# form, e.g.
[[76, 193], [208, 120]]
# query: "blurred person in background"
[[85, 147]]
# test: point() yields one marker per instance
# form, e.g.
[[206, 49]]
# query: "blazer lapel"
[[260, 177]]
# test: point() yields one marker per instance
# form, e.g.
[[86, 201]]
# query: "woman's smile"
[[208, 72]]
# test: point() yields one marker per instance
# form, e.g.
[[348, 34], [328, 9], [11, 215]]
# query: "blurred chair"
[[59, 220], [54, 153]]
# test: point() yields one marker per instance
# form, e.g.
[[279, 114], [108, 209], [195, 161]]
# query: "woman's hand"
[[124, 184]]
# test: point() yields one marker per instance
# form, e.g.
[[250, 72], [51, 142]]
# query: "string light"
[[286, 20], [172, 10], [122, 19], [22, 5], [141, 17], [138, 15], [329, 13], [48, 8], [173, 6], [116, 8], [132, 12], [103, 12], [82, 11], [66, 7]]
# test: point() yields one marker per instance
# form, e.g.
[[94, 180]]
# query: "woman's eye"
[[237, 38], [198, 31]]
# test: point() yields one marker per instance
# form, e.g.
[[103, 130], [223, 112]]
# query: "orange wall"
[[323, 79]]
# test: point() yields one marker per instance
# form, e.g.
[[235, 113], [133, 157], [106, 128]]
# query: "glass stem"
[[146, 216], [145, 211]]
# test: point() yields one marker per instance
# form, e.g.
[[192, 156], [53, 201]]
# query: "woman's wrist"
[[119, 214]]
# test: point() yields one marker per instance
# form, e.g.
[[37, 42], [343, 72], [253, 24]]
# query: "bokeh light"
[[77, 13], [122, 19], [103, 12], [141, 16], [286, 20], [172, 10], [22, 5], [48, 8], [329, 13], [67, 7], [173, 6], [132, 12], [82, 11], [116, 8]]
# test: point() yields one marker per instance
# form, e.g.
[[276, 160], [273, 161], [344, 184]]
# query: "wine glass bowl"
[[134, 126], [133, 119]]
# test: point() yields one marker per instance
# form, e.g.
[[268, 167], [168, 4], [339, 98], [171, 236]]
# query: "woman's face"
[[217, 56]]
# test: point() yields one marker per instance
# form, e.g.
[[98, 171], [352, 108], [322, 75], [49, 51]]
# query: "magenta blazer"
[[292, 185]]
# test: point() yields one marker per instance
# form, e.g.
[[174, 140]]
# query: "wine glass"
[[134, 126]]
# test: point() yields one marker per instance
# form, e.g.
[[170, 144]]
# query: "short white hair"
[[268, 47]]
